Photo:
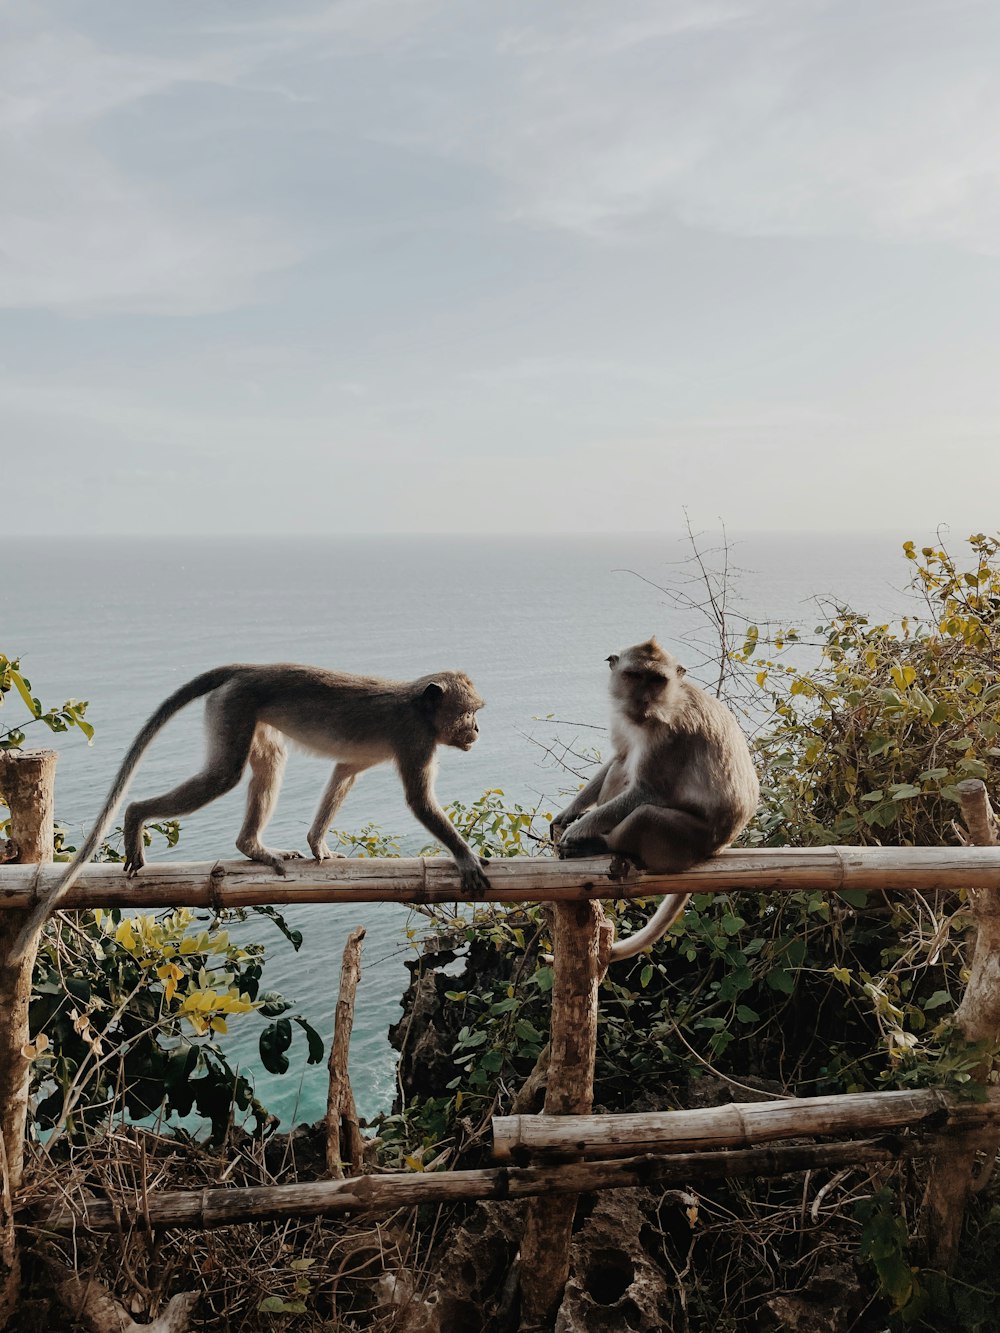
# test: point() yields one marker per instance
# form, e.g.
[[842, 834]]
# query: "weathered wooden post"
[[27, 780], [953, 1169], [581, 939], [343, 1136]]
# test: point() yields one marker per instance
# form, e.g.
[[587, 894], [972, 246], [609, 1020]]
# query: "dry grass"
[[331, 1271]]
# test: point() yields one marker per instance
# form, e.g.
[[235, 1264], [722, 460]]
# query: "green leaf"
[[780, 980], [854, 897], [527, 1031], [314, 1040], [21, 685], [275, 1305], [904, 791], [274, 1042]]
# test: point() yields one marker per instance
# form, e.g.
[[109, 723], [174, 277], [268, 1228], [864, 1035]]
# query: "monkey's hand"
[[562, 821], [134, 862], [473, 877]]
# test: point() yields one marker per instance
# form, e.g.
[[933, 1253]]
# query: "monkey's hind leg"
[[341, 782], [661, 840], [268, 757], [228, 747]]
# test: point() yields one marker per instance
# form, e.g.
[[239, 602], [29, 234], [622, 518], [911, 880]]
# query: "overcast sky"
[[490, 267]]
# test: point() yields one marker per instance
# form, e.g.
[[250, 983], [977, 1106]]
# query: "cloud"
[[82, 235], [760, 118]]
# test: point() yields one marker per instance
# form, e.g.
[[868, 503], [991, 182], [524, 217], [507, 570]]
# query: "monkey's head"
[[450, 701], [644, 679]]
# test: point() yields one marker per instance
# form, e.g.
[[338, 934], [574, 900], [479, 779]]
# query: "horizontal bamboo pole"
[[373, 1195], [519, 879], [740, 1124]]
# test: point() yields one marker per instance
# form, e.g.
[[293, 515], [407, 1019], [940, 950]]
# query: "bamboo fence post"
[[343, 1137], [954, 1168], [581, 939], [27, 780]]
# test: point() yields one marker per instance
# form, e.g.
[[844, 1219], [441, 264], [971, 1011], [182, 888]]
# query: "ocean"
[[122, 622]]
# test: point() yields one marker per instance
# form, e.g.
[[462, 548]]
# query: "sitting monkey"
[[681, 783]]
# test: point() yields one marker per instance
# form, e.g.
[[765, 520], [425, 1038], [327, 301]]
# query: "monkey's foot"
[[134, 863], [571, 849], [621, 868], [321, 852], [272, 856]]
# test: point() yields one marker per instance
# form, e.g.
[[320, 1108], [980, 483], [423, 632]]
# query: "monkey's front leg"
[[582, 801], [587, 836], [421, 800]]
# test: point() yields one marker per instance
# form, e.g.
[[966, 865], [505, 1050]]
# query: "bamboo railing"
[[521, 879], [726, 1139], [522, 1138]]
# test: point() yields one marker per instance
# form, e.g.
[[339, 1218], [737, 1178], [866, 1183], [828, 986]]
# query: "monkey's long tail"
[[194, 689], [658, 924]]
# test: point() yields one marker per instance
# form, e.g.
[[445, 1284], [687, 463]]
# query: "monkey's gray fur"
[[681, 783], [358, 720]]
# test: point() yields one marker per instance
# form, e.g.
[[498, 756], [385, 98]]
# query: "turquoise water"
[[123, 622]]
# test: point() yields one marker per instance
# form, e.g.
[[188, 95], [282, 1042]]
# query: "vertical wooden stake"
[[581, 940], [953, 1168], [27, 780], [343, 1137]]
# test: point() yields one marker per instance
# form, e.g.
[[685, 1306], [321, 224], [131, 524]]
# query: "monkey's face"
[[643, 679], [462, 732], [455, 703]]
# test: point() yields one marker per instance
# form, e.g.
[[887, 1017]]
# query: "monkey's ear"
[[431, 696], [612, 661], [680, 671]]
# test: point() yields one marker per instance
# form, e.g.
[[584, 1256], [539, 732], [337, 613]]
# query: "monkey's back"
[[334, 713]]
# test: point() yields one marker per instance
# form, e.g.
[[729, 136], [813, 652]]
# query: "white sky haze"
[[473, 267]]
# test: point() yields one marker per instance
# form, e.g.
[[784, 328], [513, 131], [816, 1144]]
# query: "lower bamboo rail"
[[520, 879], [375, 1195], [519, 1138]]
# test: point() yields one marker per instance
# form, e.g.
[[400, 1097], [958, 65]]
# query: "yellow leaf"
[[125, 936]]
